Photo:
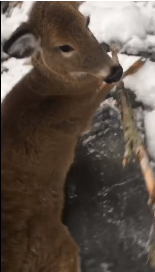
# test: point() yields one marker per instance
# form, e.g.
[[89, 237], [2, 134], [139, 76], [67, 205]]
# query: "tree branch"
[[134, 143]]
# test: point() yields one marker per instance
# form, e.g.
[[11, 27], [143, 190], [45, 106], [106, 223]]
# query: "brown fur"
[[42, 118]]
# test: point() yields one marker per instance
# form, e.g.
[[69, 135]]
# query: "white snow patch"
[[105, 267], [136, 45], [119, 21], [19, 15], [16, 71], [143, 84]]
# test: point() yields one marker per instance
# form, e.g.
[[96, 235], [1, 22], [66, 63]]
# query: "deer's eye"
[[66, 48]]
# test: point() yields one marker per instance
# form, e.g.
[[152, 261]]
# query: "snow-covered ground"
[[131, 24]]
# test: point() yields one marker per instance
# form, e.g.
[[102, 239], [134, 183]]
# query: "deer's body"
[[42, 118]]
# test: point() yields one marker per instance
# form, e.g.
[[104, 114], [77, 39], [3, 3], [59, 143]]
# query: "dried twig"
[[132, 138], [132, 70], [134, 143]]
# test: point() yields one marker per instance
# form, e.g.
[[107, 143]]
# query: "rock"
[[106, 205]]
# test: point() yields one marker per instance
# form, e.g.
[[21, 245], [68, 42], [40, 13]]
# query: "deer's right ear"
[[22, 42]]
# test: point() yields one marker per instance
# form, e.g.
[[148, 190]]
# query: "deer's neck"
[[42, 112]]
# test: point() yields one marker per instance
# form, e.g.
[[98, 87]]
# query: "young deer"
[[42, 118]]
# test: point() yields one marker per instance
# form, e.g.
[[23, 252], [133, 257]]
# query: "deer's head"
[[66, 46]]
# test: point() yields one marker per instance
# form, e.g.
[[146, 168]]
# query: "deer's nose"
[[115, 75]]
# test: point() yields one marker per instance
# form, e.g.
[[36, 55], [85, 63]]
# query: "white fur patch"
[[78, 74], [22, 44], [67, 54], [103, 73]]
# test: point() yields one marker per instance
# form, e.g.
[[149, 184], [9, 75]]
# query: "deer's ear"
[[75, 4], [22, 43], [79, 3]]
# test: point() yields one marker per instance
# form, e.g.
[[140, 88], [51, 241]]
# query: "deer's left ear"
[[75, 4], [22, 43]]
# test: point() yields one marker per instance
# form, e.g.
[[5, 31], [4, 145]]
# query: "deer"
[[42, 118]]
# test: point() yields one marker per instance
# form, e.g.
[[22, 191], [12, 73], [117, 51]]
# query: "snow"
[[135, 45], [17, 70], [131, 24], [18, 16], [119, 21], [143, 83]]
